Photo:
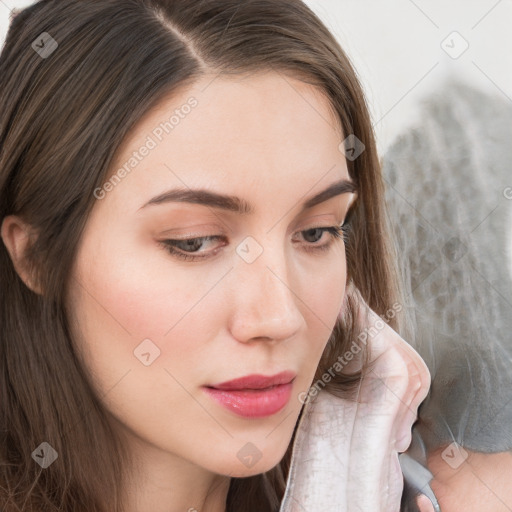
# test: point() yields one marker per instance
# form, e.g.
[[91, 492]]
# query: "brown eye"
[[315, 234], [187, 248]]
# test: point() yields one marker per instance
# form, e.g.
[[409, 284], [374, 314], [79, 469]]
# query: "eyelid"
[[216, 235], [334, 231], [195, 230], [208, 231]]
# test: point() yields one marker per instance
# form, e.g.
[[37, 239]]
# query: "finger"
[[424, 504]]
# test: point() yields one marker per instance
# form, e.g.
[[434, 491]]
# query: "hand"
[[481, 482]]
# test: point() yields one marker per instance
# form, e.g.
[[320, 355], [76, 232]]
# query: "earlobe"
[[16, 235]]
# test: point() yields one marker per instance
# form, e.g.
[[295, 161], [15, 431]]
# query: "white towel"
[[345, 453]]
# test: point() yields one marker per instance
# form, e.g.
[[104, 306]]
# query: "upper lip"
[[256, 381]]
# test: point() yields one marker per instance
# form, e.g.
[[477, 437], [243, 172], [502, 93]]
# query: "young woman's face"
[[261, 295]]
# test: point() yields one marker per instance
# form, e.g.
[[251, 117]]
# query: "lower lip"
[[255, 403]]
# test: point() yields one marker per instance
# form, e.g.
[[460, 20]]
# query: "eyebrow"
[[238, 205]]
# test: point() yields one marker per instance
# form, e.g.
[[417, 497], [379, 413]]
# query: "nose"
[[265, 299]]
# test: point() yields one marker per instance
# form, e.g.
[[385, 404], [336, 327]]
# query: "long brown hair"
[[63, 115]]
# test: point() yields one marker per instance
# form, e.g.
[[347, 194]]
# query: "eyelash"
[[336, 232]]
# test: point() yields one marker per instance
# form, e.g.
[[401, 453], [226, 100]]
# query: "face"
[[171, 297]]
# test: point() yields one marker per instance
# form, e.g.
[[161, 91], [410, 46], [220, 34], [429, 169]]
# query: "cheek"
[[321, 299], [323, 289], [130, 307], [122, 302]]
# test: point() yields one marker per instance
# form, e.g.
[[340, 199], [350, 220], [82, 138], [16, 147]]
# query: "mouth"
[[254, 396]]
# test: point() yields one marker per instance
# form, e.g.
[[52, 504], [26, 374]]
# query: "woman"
[[186, 190]]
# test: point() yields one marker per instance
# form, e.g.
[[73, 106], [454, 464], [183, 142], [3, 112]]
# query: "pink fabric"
[[345, 453]]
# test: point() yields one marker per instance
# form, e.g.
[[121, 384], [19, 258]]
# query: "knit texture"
[[447, 180]]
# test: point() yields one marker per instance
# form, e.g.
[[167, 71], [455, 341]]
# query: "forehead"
[[236, 129]]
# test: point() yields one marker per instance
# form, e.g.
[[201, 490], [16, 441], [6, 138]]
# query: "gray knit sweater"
[[449, 192]]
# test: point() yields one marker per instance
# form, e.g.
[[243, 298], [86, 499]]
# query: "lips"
[[254, 396], [256, 381]]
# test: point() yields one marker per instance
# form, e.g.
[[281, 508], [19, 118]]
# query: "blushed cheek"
[[136, 293], [136, 309]]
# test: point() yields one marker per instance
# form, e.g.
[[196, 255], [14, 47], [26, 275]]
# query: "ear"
[[16, 235]]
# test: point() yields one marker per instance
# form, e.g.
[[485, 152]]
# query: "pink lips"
[[254, 396]]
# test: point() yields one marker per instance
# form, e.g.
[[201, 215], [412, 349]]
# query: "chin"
[[250, 461], [257, 469]]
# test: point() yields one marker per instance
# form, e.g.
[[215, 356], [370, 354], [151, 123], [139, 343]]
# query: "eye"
[[186, 247], [314, 235], [189, 248]]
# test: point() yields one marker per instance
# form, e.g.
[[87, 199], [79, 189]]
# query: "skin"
[[274, 143], [480, 482]]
